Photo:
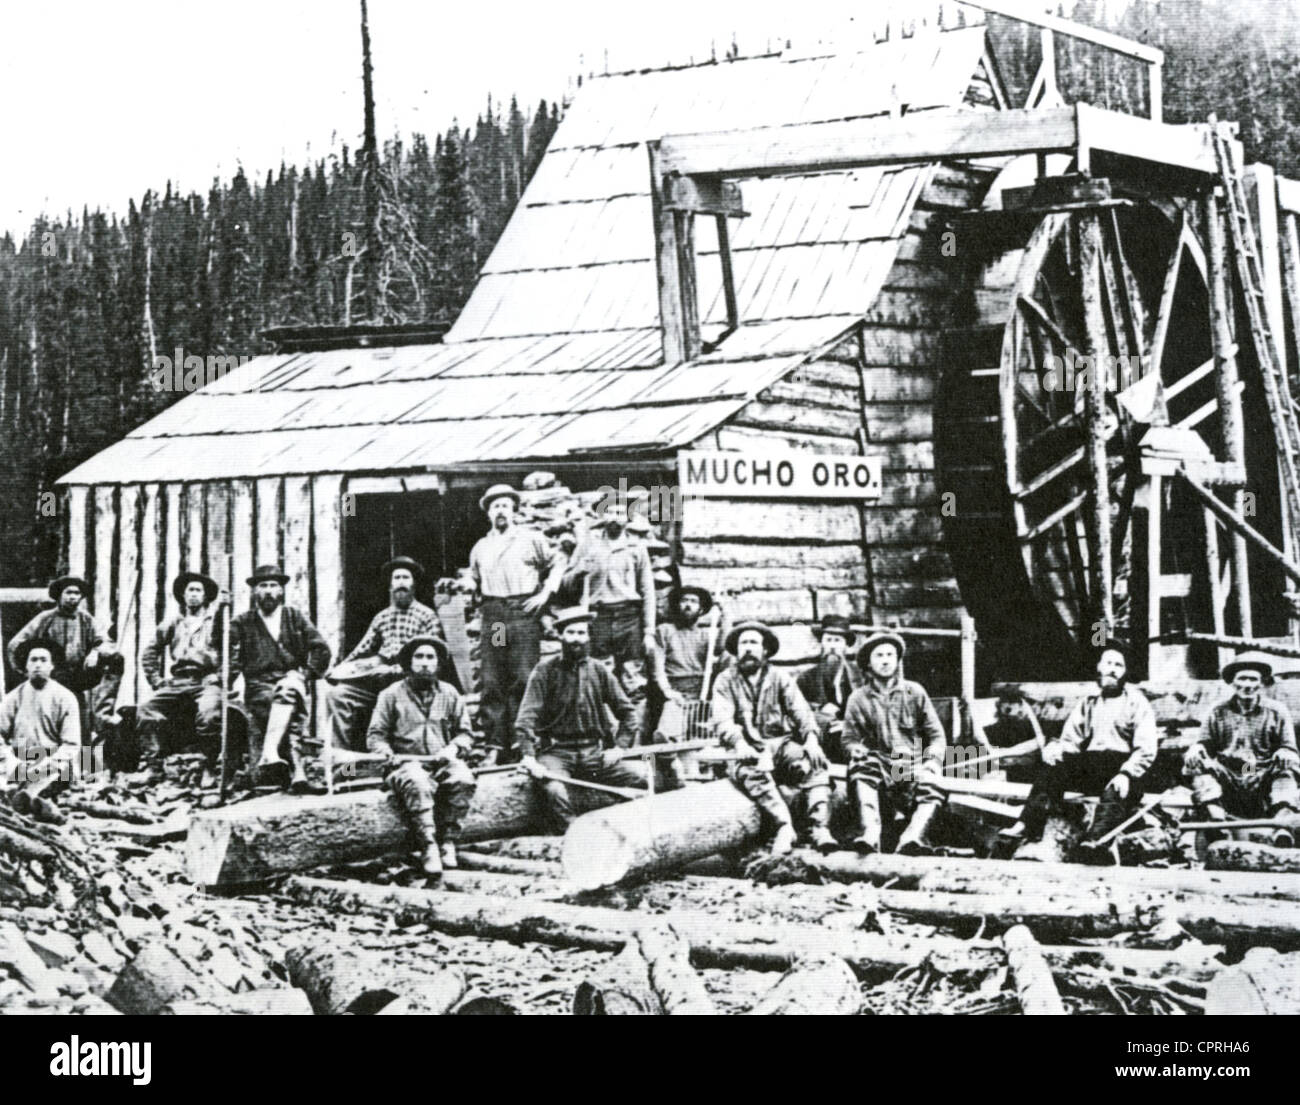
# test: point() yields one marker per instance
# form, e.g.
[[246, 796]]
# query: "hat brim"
[[253, 581], [770, 640], [58, 586], [819, 631], [706, 599], [875, 641], [57, 655], [413, 566], [210, 586], [487, 500], [440, 647], [1230, 670]]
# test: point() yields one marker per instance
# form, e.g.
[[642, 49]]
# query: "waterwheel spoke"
[[1039, 314], [1134, 312], [1048, 475]]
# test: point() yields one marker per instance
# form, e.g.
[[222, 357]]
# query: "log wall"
[[131, 541]]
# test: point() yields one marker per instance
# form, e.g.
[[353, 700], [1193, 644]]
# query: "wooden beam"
[[1184, 146], [1231, 421], [920, 136], [1091, 261], [1028, 13], [1238, 524], [703, 196], [667, 257], [77, 558], [1288, 195]]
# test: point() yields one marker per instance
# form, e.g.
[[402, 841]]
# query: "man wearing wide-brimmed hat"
[[612, 569], [190, 696], [828, 684], [563, 722], [1246, 762], [894, 745], [422, 715], [372, 665], [1106, 747], [91, 664], [758, 709], [278, 651], [39, 718], [682, 642], [516, 573]]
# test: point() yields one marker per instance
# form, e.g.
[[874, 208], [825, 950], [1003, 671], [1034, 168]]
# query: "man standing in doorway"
[[620, 590], [373, 664], [277, 650], [516, 572]]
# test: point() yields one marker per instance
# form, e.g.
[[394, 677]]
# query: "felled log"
[[657, 833], [339, 980], [817, 985], [156, 978], [509, 865], [1035, 988], [667, 958], [280, 1001], [256, 840], [994, 876], [621, 989], [713, 943], [1100, 910], [432, 996], [1247, 855], [1265, 982], [109, 810]]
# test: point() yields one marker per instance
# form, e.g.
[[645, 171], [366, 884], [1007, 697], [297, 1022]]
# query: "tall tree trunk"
[[370, 178]]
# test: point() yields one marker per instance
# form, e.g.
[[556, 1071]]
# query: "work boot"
[[819, 816], [912, 842], [431, 854], [784, 841], [271, 769], [150, 769], [449, 858], [868, 802]]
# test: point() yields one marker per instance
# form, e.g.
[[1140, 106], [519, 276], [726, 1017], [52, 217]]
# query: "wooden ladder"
[[1277, 390]]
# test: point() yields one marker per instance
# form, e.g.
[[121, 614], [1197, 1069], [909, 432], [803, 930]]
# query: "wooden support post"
[[1099, 543], [667, 257], [690, 298], [1291, 287], [1230, 416], [968, 638], [77, 530], [1218, 593], [1156, 91], [1239, 525], [728, 275], [1050, 95]]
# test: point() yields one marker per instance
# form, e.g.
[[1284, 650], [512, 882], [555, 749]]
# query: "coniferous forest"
[[88, 299]]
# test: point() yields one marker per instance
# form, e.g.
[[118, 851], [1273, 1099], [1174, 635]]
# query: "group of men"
[[397, 696]]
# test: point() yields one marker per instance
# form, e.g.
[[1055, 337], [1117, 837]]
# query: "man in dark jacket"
[[424, 716], [563, 726], [277, 650], [828, 684]]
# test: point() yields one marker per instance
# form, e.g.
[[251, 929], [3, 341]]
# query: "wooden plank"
[[1238, 524], [1091, 263], [901, 526], [327, 563], [151, 603], [915, 562], [798, 417], [78, 557], [105, 549], [790, 578], [269, 514], [242, 515], [1183, 146], [1261, 196], [1288, 195], [217, 537], [774, 607], [758, 520], [195, 547], [929, 593], [173, 550], [808, 392], [905, 384], [704, 197], [893, 345], [919, 136], [127, 617], [726, 554], [297, 542], [747, 438], [686, 279]]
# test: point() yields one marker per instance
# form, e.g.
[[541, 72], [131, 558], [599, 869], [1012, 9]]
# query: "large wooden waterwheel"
[[1012, 434]]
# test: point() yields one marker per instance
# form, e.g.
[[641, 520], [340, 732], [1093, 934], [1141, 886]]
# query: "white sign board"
[[777, 475]]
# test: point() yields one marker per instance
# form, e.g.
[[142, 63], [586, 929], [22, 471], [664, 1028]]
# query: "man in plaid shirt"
[[374, 663]]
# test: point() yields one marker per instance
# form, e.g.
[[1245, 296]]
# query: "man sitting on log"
[[372, 665], [1246, 762], [191, 694], [40, 720], [563, 723], [894, 744], [91, 666], [1107, 746], [828, 684], [755, 703], [424, 716], [1015, 725], [277, 650]]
